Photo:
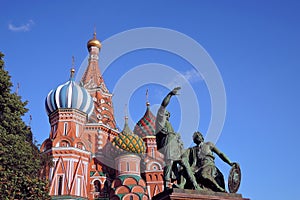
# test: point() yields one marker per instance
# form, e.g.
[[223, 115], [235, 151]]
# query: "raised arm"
[[166, 100], [220, 154], [161, 113]]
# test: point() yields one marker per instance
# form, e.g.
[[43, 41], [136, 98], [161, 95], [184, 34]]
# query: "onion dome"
[[146, 125], [94, 42], [127, 142], [69, 95]]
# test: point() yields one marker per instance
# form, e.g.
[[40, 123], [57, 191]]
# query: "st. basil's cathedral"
[[92, 159]]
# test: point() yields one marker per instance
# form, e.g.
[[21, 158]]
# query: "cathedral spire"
[[92, 77], [95, 32], [126, 128], [73, 68], [147, 99], [93, 81]]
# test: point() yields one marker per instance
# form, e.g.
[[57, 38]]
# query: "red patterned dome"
[[146, 125]]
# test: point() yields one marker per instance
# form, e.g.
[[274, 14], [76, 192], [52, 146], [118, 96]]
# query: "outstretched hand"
[[175, 90]]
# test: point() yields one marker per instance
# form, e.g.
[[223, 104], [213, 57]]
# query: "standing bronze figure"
[[170, 144]]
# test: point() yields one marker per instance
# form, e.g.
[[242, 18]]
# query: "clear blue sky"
[[254, 44]]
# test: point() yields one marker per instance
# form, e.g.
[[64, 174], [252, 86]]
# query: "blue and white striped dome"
[[69, 95]]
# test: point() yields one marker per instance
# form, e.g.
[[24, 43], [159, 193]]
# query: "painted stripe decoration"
[[69, 95]]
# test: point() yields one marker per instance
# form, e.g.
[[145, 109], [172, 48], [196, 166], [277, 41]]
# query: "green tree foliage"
[[11, 106], [20, 160]]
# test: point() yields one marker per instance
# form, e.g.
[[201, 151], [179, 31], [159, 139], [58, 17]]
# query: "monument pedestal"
[[183, 194]]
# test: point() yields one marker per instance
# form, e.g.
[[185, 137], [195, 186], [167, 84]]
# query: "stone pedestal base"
[[183, 194]]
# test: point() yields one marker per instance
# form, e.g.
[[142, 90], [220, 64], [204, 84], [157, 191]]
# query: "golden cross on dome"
[[73, 69], [73, 61], [126, 111], [147, 98], [94, 31]]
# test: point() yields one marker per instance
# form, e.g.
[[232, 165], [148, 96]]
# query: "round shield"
[[234, 178]]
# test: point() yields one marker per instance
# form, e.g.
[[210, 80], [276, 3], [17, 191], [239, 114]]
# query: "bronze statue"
[[170, 144], [193, 168], [201, 160]]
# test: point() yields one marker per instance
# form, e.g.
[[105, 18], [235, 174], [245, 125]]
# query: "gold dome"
[[94, 42]]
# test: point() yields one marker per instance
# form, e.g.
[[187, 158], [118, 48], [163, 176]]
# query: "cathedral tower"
[[84, 141], [68, 107], [153, 159], [128, 185], [93, 81]]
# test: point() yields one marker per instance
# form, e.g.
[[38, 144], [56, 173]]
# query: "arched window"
[[64, 143], [97, 186], [54, 130], [77, 130], [65, 128], [152, 152], [60, 181], [78, 189], [137, 167], [106, 187], [127, 166], [161, 177], [80, 146]]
